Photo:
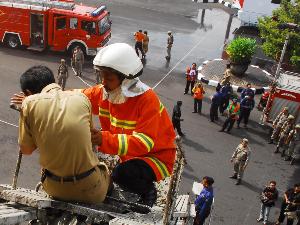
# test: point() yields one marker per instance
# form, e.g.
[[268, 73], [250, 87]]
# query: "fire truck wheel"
[[13, 41]]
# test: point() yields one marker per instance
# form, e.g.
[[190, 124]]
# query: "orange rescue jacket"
[[198, 92], [139, 37], [139, 128]]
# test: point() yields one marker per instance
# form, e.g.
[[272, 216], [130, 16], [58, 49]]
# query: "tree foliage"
[[288, 12]]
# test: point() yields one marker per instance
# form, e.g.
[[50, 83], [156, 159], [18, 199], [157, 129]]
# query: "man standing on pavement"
[[62, 74], [139, 38], [227, 92], [281, 118], [170, 41], [293, 142], [287, 127], [204, 201], [191, 77], [233, 111], [198, 91], [78, 61], [268, 198], [215, 103], [247, 104], [240, 159], [52, 121], [247, 92], [134, 123], [145, 43], [176, 118], [289, 205]]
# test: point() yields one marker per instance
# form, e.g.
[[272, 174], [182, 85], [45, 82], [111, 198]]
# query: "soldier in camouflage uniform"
[[62, 74], [293, 142], [287, 127], [277, 124], [240, 159], [78, 61]]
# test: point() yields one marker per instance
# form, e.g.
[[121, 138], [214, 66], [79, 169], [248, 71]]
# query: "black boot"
[[149, 198], [234, 176], [276, 150], [271, 141]]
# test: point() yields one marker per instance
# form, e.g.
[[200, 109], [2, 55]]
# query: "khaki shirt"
[[287, 127], [242, 154], [280, 119], [58, 123]]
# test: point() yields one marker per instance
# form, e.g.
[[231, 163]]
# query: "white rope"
[[83, 81], [11, 124], [186, 55]]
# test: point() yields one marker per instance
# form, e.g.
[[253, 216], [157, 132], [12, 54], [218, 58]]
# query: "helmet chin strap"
[[130, 76]]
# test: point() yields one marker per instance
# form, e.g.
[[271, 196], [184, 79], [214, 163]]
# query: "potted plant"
[[240, 52]]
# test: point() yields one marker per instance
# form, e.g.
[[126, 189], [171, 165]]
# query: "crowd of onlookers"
[[238, 109]]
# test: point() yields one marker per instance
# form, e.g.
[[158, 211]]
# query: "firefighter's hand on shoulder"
[[96, 136]]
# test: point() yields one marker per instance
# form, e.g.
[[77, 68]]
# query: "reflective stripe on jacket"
[[139, 128]]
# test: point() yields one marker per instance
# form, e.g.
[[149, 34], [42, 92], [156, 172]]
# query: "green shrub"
[[241, 50]]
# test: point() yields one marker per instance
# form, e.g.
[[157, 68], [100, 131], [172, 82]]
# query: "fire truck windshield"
[[104, 25]]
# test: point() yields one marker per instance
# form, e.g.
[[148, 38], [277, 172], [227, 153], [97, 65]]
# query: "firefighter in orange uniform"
[[135, 125]]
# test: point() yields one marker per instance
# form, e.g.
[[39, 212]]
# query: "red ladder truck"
[[55, 25]]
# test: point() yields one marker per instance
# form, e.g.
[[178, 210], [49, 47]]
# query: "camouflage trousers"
[[275, 133], [238, 167]]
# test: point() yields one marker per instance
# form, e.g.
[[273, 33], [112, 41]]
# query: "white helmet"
[[120, 57]]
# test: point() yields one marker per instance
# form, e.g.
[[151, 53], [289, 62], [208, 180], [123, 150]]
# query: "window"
[[104, 25], [73, 23], [88, 26], [61, 23]]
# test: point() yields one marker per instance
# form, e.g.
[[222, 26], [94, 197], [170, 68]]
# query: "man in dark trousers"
[[247, 92], [226, 94], [247, 104], [176, 118], [204, 201], [215, 103], [289, 205], [232, 115]]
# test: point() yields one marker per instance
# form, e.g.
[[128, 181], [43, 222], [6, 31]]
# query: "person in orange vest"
[[232, 115], [134, 123], [198, 91], [191, 76], [139, 38]]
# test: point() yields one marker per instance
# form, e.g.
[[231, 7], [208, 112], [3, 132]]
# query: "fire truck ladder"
[[42, 3]]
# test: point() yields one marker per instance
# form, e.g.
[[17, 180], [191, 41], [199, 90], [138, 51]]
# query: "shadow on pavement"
[[251, 187], [195, 145], [189, 176]]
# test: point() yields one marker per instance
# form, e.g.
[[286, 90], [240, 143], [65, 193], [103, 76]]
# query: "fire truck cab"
[[57, 25]]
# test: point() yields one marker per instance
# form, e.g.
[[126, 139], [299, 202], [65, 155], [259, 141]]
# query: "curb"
[[236, 88]]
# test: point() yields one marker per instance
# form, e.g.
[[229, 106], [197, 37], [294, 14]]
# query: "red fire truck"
[[54, 25]]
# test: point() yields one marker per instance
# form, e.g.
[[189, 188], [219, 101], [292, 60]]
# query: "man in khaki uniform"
[[293, 142], [170, 41], [240, 159], [287, 127], [62, 74], [58, 123], [78, 60], [277, 124]]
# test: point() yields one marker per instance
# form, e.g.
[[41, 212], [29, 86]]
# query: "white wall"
[[252, 9]]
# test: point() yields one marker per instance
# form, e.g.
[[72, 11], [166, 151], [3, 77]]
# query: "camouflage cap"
[[297, 126], [291, 117]]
